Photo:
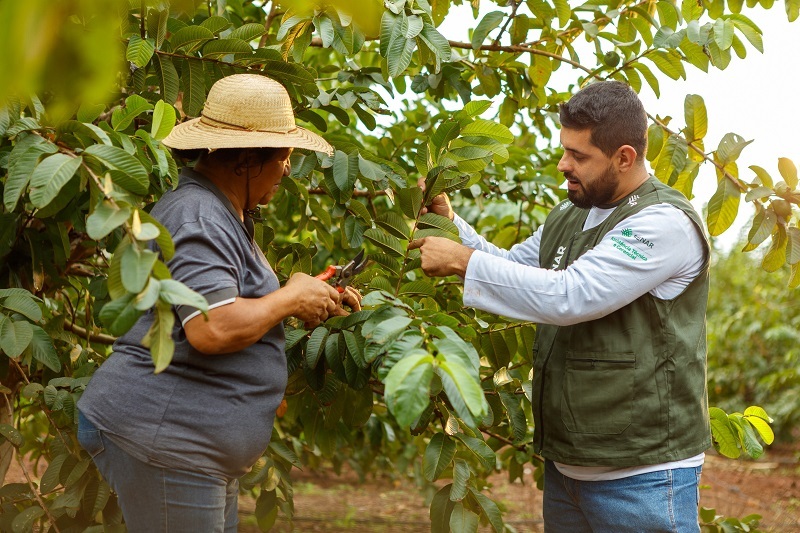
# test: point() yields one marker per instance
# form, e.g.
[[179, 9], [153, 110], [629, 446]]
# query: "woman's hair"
[[230, 156], [612, 111]]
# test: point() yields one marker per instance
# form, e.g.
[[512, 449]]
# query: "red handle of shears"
[[328, 274]]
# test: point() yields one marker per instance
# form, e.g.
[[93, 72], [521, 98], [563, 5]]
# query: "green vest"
[[629, 388]]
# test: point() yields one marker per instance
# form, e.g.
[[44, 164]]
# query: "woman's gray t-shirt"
[[209, 413]]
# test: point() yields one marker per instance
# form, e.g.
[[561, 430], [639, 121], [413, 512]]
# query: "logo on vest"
[[559, 255], [565, 205], [633, 200]]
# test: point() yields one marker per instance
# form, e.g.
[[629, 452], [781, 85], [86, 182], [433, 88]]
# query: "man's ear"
[[626, 157]]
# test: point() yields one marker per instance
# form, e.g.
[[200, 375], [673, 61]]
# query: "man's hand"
[[352, 299], [439, 204], [442, 257]]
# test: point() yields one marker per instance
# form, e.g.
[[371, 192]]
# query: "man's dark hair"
[[612, 111], [257, 156]]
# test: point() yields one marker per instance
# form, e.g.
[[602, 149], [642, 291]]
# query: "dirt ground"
[[325, 502]]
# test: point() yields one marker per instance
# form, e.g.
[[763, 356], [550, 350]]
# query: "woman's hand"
[[352, 299], [314, 300]]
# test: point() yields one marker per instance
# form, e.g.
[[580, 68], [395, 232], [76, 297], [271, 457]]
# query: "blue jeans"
[[155, 499], [657, 502]]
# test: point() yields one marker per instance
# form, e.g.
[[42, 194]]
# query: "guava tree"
[[415, 384]]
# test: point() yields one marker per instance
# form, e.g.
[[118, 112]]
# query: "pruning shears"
[[343, 274]]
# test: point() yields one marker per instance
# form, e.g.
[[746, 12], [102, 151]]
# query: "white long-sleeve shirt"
[[658, 251]]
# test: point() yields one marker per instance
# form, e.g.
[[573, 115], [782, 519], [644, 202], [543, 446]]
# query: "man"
[[617, 279]]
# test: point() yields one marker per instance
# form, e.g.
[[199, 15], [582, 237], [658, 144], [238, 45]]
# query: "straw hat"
[[245, 111]]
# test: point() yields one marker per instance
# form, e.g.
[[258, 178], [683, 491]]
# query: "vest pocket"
[[598, 390]]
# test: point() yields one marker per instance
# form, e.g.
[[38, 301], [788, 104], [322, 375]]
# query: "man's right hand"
[[439, 204]]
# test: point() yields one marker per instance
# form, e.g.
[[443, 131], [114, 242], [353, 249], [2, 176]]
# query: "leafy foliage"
[[414, 381]]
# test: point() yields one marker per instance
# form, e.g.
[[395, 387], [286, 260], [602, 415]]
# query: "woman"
[[172, 445]]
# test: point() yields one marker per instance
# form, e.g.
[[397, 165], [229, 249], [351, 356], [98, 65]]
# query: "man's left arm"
[[623, 266]]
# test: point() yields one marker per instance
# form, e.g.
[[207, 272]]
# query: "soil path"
[[325, 502]]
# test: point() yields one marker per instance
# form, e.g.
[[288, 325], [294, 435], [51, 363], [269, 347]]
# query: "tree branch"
[[100, 338], [356, 194]]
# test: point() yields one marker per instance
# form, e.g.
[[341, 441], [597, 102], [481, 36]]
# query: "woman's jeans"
[[664, 501], [155, 499]]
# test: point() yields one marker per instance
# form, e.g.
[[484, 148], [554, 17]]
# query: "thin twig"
[[514, 6], [50, 517], [273, 11]]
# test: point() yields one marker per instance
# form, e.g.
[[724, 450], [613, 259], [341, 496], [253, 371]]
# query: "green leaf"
[[41, 348], [345, 172], [463, 520], [190, 37], [516, 416], [105, 218], [22, 163], [50, 177], [159, 337], [119, 315], [118, 159], [388, 243], [438, 44], [792, 246], [15, 336], [281, 450], [461, 475], [406, 386], [163, 120], [763, 175], [248, 32], [763, 224], [564, 12], [136, 268], [12, 435], [441, 510], [222, 47], [24, 304], [140, 50], [418, 287], [723, 33], [723, 207], [480, 449], [696, 117], [23, 522], [135, 105], [723, 434], [438, 455], [490, 510], [776, 255], [216, 24], [164, 240], [176, 293], [410, 201], [394, 224], [167, 75], [487, 128], [315, 346], [149, 296], [400, 48], [193, 82], [730, 147], [489, 22], [432, 220], [788, 170], [463, 391], [760, 423]]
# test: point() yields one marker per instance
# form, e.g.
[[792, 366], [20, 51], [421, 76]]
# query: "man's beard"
[[598, 192]]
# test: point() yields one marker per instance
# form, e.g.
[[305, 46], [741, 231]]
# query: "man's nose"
[[562, 164]]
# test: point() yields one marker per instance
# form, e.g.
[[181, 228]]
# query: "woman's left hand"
[[352, 299]]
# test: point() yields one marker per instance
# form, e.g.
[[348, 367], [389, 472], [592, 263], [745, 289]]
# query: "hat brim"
[[194, 134]]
